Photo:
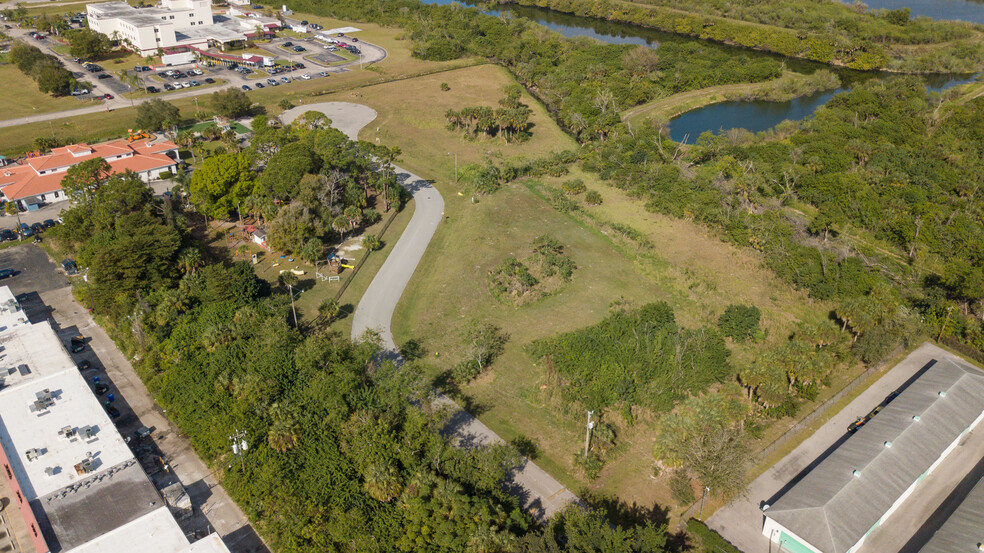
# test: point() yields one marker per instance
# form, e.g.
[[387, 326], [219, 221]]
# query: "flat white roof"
[[157, 530], [27, 353], [59, 433], [11, 313], [341, 30]]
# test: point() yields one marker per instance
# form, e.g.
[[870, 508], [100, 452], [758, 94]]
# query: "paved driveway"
[[740, 521]]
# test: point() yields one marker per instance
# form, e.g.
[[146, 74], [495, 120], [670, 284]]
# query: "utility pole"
[[239, 446], [294, 311], [587, 434], [948, 310], [706, 490]]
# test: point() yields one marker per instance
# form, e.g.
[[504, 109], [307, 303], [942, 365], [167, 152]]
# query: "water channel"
[[753, 115]]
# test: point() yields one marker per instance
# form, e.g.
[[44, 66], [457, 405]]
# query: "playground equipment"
[[348, 266], [131, 136]]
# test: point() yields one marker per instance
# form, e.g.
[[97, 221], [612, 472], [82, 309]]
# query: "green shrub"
[[740, 322], [707, 540], [573, 187], [163, 175], [593, 197]]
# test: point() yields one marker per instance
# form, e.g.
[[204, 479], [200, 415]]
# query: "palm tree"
[[242, 250], [354, 216], [130, 79], [329, 309], [189, 260], [340, 224]]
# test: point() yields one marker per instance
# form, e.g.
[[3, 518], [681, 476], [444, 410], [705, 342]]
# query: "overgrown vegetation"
[[632, 358], [540, 274]]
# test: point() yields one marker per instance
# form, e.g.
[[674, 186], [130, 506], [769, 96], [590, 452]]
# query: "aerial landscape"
[[508, 276]]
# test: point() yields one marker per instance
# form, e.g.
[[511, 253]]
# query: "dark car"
[[77, 343], [85, 366], [7, 234], [49, 223], [210, 80], [153, 89], [304, 22], [353, 39], [168, 87], [246, 87], [26, 230], [103, 76], [113, 412], [287, 44], [6, 273], [300, 49], [37, 227], [259, 85]]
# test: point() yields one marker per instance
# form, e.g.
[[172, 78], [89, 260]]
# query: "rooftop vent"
[[33, 453], [87, 432], [44, 400], [857, 473], [84, 467], [68, 433]]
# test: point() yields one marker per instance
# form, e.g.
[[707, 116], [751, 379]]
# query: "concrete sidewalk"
[[740, 521]]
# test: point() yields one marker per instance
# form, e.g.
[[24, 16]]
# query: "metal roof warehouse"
[[862, 482]]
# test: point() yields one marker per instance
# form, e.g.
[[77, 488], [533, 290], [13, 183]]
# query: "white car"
[[306, 77], [186, 84]]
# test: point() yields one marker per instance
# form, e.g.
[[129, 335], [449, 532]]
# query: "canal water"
[[753, 115]]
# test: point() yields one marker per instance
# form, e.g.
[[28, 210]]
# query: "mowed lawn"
[[20, 97]]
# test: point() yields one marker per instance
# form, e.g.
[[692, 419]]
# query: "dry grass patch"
[[20, 97]]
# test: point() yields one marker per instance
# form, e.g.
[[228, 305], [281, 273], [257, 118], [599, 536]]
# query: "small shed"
[[260, 237], [32, 203]]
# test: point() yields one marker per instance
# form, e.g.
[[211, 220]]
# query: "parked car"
[[113, 412], [7, 234], [26, 230], [287, 44], [168, 87], [195, 83], [259, 85], [300, 49], [100, 388], [138, 68], [37, 228], [186, 84], [246, 87], [210, 80], [304, 22], [108, 96], [80, 91], [77, 343], [353, 39], [196, 72], [298, 66], [323, 73], [272, 82], [84, 366], [285, 80], [306, 77], [6, 273], [153, 89], [48, 223], [103, 76]]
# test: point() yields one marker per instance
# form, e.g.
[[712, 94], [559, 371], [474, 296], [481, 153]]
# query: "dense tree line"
[[823, 32], [45, 69], [344, 452]]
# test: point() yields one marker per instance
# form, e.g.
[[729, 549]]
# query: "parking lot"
[[166, 456]]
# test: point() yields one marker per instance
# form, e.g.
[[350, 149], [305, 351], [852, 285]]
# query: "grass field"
[[690, 269], [20, 97]]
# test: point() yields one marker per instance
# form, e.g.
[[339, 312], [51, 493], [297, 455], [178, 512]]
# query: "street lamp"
[[587, 434]]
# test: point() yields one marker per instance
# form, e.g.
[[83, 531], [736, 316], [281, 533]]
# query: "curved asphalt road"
[[539, 493]]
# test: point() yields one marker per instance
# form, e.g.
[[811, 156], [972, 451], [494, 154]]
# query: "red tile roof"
[[21, 181]]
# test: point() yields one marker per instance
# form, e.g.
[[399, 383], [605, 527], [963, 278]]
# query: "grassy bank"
[[786, 87], [20, 97]]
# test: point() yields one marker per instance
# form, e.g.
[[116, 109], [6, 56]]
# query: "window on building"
[[172, 17], [192, 23]]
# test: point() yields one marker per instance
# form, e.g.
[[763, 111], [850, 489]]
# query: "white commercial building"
[[172, 24], [74, 480]]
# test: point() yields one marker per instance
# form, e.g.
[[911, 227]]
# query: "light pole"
[[239, 446], [587, 434], [455, 166], [240, 213]]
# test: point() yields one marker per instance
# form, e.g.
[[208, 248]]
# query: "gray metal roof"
[[964, 529], [832, 509]]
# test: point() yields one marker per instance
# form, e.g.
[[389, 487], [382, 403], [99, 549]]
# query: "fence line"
[[822, 408], [355, 271]]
